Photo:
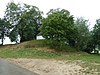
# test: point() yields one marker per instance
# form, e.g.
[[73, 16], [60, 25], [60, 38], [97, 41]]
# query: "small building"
[[40, 37]]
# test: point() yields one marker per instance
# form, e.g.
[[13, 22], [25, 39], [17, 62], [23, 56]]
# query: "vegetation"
[[90, 63], [4, 29], [59, 28], [35, 49], [25, 21], [66, 38], [58, 25], [96, 33], [83, 33]]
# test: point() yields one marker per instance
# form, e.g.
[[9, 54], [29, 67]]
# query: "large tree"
[[96, 34], [59, 25], [25, 20], [4, 29], [83, 34]]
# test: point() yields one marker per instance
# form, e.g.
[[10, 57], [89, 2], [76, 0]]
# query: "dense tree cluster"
[[59, 26], [25, 21]]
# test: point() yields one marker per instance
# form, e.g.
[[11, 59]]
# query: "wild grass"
[[40, 53], [38, 50], [26, 53]]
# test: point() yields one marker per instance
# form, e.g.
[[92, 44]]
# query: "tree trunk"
[[22, 39], [2, 41], [35, 37]]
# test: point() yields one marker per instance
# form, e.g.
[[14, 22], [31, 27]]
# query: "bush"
[[58, 45]]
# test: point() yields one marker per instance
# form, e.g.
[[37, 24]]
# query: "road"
[[7, 68]]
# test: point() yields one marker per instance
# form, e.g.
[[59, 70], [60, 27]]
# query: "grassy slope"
[[36, 49]]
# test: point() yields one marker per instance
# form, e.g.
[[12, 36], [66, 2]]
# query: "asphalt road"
[[7, 68]]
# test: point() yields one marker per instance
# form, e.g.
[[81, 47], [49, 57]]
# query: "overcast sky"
[[89, 9]]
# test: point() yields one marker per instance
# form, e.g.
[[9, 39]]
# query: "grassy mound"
[[40, 44], [34, 48], [37, 49]]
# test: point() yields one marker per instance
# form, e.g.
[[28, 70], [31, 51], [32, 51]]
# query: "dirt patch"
[[50, 67]]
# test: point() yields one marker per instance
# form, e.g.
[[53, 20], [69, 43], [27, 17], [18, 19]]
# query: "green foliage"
[[58, 24], [13, 35], [12, 13], [83, 34], [25, 21], [30, 23], [58, 45], [96, 33], [58, 27], [95, 41], [4, 29]]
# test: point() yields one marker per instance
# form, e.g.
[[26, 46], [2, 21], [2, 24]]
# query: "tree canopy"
[[4, 29], [60, 27], [25, 20], [96, 33], [83, 33], [58, 24]]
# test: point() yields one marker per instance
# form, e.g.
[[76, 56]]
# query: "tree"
[[4, 29], [96, 34], [25, 20], [83, 35], [30, 23], [13, 13], [58, 25]]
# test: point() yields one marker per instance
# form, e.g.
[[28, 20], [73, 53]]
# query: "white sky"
[[89, 9]]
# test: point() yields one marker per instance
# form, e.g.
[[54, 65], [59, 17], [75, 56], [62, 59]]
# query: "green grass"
[[27, 53], [91, 61], [34, 49], [85, 57], [35, 53]]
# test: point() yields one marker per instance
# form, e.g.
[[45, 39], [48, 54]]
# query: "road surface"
[[7, 68]]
